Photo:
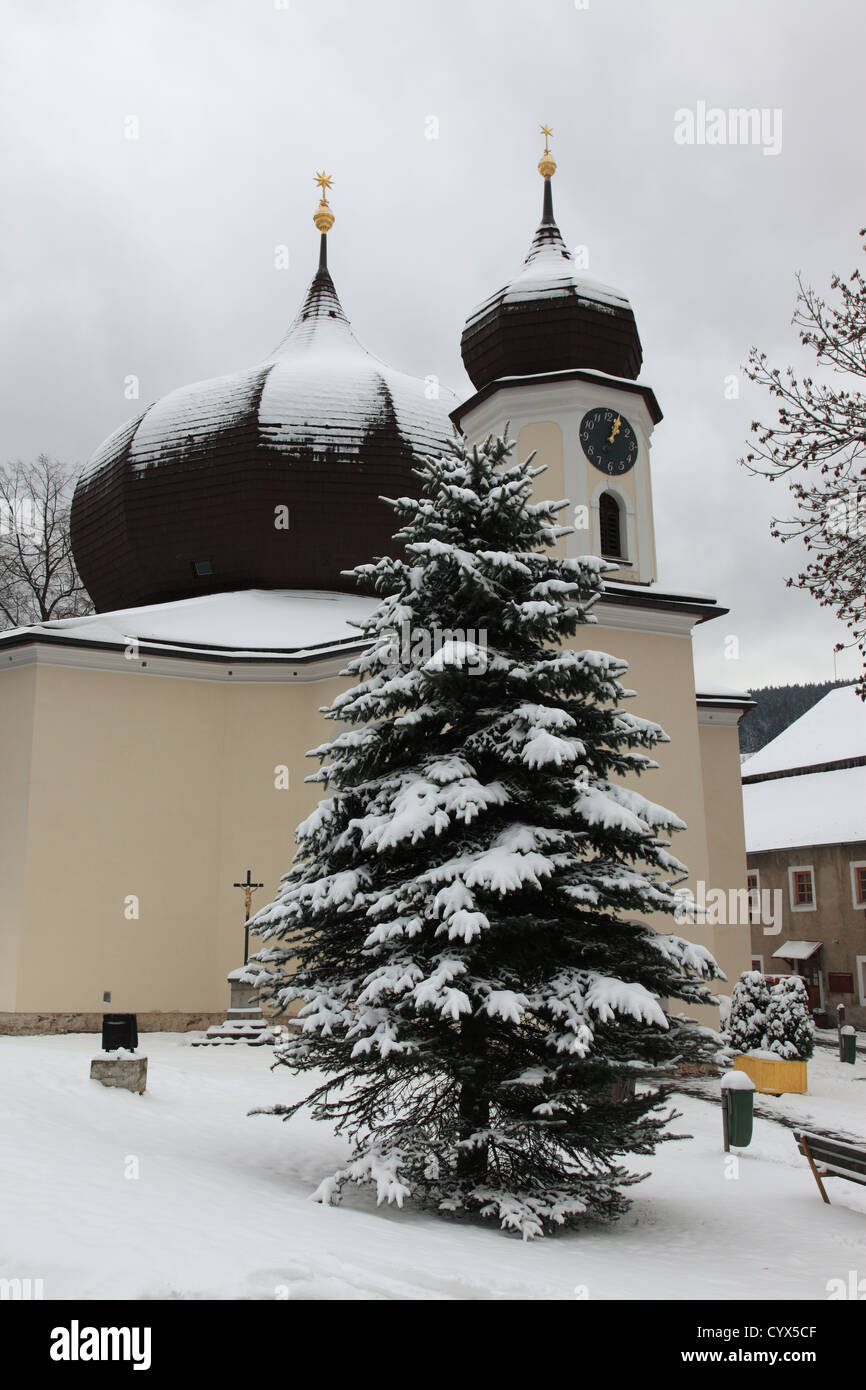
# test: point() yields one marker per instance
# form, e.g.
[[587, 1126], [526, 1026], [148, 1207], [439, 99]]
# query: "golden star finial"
[[323, 217], [547, 163]]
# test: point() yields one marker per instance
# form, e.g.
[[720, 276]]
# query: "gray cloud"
[[155, 256]]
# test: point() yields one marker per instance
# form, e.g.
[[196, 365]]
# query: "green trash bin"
[[847, 1044], [738, 1094]]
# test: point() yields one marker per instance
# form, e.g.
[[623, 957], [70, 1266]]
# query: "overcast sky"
[[155, 256]]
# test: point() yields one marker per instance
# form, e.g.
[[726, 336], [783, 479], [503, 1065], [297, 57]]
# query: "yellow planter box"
[[773, 1078]]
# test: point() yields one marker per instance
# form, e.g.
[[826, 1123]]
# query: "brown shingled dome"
[[185, 499], [548, 318]]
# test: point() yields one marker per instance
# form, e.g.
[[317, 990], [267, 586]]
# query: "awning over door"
[[797, 950]]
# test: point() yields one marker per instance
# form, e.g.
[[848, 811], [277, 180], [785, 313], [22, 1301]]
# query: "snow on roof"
[[551, 275], [797, 950], [319, 388], [245, 622], [817, 808], [549, 272], [832, 730], [722, 692]]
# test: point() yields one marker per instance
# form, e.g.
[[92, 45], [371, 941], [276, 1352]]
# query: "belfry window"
[[610, 526]]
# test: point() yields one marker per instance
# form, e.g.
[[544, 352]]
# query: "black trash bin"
[[119, 1030]]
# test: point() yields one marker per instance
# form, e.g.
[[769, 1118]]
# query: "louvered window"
[[609, 524]]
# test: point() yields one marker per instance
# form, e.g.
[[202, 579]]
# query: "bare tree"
[[820, 437], [38, 578]]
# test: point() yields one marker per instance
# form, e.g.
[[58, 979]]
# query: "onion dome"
[[268, 478], [549, 318]]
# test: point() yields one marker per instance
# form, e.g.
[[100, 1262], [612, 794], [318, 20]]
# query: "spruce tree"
[[790, 1030], [458, 924], [747, 1020]]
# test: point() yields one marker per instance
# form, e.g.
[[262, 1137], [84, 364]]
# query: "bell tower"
[[555, 355]]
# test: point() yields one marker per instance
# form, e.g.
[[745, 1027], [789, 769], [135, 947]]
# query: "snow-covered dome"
[[549, 318], [267, 478]]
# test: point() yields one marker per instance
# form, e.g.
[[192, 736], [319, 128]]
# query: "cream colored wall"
[[545, 441], [163, 789], [723, 799], [16, 731], [661, 672]]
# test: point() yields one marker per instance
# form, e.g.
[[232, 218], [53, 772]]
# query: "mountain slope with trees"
[[777, 707]]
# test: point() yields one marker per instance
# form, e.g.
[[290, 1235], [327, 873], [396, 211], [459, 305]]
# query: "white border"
[[802, 907]]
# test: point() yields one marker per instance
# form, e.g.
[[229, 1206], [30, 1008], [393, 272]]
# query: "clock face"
[[608, 441]]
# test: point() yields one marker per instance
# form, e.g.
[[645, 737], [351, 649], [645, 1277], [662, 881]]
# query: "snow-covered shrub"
[[747, 1018], [790, 1030]]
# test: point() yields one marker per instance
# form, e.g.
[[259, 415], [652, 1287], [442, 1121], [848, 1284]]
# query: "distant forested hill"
[[778, 706]]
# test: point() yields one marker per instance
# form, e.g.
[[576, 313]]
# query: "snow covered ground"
[[220, 1208]]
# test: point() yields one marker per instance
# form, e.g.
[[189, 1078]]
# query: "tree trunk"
[[474, 1107]]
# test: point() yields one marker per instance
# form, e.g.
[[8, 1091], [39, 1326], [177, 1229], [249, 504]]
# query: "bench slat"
[[838, 1159], [814, 1140], [823, 1154], [836, 1172]]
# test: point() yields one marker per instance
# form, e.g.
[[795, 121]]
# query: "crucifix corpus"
[[249, 888]]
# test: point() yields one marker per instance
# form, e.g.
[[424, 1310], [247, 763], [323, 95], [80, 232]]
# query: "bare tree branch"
[[38, 578], [821, 431]]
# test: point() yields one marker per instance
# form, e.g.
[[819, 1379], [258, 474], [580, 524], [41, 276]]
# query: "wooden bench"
[[837, 1158]]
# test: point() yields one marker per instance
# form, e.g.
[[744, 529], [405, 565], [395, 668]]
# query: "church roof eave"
[[567, 374]]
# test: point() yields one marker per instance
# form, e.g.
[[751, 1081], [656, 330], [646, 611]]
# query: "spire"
[[548, 236], [321, 321]]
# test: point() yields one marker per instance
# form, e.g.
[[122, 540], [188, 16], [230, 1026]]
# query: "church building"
[[154, 750]]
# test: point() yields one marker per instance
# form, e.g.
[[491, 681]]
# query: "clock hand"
[[615, 431]]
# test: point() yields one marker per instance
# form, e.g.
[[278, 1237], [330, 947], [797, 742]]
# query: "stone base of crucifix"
[[244, 1021]]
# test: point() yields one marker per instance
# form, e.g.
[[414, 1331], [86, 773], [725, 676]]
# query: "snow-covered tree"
[[747, 1019], [790, 1029], [459, 922]]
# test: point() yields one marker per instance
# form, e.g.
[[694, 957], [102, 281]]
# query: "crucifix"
[[249, 888]]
